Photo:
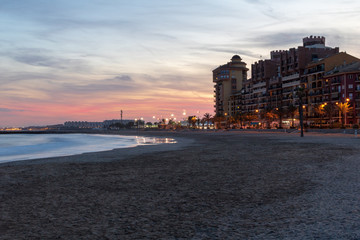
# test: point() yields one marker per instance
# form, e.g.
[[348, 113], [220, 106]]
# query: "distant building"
[[228, 79], [108, 123], [104, 124], [83, 124]]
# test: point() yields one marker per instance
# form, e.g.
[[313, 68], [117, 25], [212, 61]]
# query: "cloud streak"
[[85, 59], [8, 110]]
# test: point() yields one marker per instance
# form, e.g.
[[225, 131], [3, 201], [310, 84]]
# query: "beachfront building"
[[273, 81], [229, 79], [324, 84], [313, 66], [344, 86], [257, 89], [291, 65]]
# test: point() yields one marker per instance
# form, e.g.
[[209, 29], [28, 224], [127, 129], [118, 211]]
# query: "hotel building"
[[228, 79]]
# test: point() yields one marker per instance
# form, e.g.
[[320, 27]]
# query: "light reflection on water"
[[154, 140], [15, 147]]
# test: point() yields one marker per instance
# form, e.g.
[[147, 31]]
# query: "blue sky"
[[85, 60]]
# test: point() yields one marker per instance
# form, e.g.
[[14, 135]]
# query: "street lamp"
[[339, 112], [347, 100]]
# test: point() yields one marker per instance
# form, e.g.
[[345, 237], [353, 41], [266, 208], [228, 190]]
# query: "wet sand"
[[212, 185]]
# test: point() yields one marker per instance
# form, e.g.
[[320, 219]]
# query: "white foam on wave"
[[15, 147]]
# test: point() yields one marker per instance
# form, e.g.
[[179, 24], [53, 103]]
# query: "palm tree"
[[291, 111], [329, 110], [280, 112], [239, 118], [230, 120], [203, 121], [192, 121], [250, 117], [268, 116], [207, 118], [319, 110], [344, 108], [218, 119]]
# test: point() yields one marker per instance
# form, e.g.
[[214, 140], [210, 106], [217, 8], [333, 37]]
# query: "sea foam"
[[15, 147]]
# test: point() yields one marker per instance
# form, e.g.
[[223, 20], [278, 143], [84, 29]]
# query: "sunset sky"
[[85, 60]]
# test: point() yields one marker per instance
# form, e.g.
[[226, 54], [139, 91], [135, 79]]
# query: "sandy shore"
[[214, 185]]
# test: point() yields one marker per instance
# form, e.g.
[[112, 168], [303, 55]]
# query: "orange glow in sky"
[[86, 60]]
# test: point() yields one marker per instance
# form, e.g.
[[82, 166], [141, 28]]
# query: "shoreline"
[[219, 185], [121, 152]]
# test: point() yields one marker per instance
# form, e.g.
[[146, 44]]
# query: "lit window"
[[350, 95], [350, 86]]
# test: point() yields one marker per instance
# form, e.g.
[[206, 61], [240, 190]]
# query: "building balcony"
[[315, 93], [275, 87], [260, 90], [291, 77], [274, 80], [260, 84], [291, 84]]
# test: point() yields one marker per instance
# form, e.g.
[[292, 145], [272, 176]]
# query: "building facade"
[[325, 74], [321, 87], [273, 81], [344, 86], [228, 79]]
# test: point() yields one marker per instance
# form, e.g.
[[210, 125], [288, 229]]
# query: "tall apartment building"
[[228, 79], [274, 81], [344, 86], [321, 87], [326, 75]]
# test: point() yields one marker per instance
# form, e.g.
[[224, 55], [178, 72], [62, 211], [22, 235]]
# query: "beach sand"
[[212, 185]]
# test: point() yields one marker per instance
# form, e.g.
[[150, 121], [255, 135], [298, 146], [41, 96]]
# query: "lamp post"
[[339, 113], [300, 94], [347, 100]]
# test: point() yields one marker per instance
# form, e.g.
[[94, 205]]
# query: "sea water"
[[15, 147]]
